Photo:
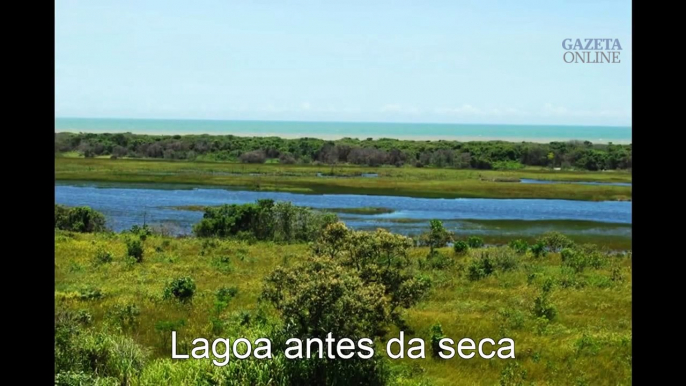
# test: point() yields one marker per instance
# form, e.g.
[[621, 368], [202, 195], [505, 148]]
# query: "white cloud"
[[305, 105], [396, 108]]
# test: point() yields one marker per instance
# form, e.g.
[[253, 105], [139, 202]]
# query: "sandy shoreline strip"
[[330, 137]]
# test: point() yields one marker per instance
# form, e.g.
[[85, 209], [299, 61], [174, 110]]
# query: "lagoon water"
[[126, 205], [332, 130]]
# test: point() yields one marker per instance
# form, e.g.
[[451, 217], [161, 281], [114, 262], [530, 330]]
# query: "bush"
[[79, 219], [505, 260], [438, 260], [542, 306], [538, 249], [480, 267], [134, 249], [555, 241], [103, 256], [460, 247], [436, 336], [181, 289], [519, 246], [574, 259], [125, 315], [475, 242], [224, 295]]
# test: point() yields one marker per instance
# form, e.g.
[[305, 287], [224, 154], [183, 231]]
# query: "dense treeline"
[[476, 155]]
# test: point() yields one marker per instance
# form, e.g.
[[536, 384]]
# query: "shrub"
[[438, 260], [505, 260], [224, 295], [555, 241], [460, 247], [90, 293], [519, 246], [103, 256], [134, 249], [538, 249], [480, 267], [79, 219], [542, 306], [125, 315], [181, 289], [574, 259], [513, 375], [475, 242], [436, 336]]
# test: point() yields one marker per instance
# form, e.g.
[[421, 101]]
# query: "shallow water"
[[126, 205]]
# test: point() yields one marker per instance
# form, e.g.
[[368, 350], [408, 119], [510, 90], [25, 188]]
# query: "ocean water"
[[362, 130]]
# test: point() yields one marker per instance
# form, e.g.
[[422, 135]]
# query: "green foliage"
[[504, 259], [90, 293], [520, 246], [379, 257], [320, 296], [587, 345], [83, 354], [438, 260], [103, 256], [555, 241], [460, 247], [475, 242], [125, 315], [538, 249], [543, 308], [134, 249], [223, 296], [141, 231], [182, 289], [436, 237], [264, 220], [481, 267], [255, 150], [436, 336], [78, 219], [513, 375]]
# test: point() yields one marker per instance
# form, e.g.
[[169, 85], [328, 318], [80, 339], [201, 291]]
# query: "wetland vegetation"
[[566, 305]]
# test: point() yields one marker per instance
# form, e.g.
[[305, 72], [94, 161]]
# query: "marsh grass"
[[407, 181]]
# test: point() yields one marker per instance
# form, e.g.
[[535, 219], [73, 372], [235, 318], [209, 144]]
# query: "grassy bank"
[[588, 343], [414, 182]]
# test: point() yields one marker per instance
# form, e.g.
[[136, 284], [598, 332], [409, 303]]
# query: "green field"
[[588, 343], [404, 181]]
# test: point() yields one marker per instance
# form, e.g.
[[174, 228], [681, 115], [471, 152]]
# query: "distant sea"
[[362, 130]]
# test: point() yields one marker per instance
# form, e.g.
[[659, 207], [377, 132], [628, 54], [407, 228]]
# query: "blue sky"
[[395, 61]]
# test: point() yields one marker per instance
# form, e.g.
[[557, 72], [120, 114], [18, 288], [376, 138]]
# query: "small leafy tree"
[[182, 289], [437, 237], [134, 249]]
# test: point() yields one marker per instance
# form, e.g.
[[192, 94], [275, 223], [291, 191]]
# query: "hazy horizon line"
[[336, 121]]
